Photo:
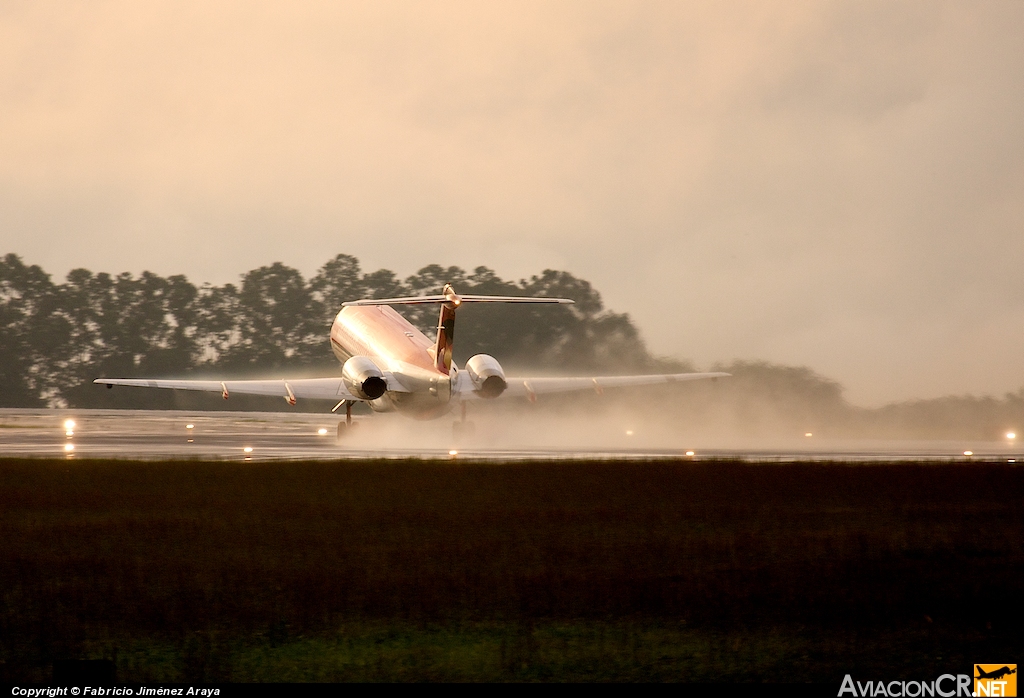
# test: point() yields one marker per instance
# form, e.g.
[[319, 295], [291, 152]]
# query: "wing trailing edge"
[[290, 389], [530, 387]]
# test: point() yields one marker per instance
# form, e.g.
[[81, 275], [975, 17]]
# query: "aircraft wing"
[[310, 388], [531, 387]]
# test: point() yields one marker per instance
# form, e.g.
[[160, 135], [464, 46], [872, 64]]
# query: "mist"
[[761, 408]]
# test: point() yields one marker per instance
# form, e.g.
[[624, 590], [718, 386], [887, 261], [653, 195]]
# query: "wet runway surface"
[[149, 435]]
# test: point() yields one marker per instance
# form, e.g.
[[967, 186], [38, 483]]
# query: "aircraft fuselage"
[[379, 333]]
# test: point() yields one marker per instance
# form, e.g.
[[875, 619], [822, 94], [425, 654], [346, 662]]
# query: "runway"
[[263, 436]]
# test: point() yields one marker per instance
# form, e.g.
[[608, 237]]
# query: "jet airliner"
[[390, 365]]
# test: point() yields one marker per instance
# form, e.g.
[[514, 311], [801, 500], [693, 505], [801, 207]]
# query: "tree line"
[[55, 338]]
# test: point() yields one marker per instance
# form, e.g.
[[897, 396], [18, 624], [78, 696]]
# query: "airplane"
[[391, 366], [994, 674]]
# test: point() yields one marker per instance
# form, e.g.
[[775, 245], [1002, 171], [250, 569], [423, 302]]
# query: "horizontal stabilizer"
[[458, 300]]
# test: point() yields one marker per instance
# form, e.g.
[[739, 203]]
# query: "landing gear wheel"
[[346, 429]]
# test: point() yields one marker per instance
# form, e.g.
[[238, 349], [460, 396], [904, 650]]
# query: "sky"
[[832, 184]]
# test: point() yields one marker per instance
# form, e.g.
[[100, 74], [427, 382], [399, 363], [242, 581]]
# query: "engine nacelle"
[[363, 379], [487, 376]]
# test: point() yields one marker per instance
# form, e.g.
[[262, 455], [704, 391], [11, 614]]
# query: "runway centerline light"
[[321, 431], [69, 447], [808, 434], [69, 433], [190, 426], [968, 453], [247, 449], [1011, 435], [69, 424], [689, 453], [629, 432]]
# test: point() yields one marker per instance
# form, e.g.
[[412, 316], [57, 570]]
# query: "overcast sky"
[[838, 185]]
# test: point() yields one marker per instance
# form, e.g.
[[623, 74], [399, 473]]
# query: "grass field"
[[685, 571]]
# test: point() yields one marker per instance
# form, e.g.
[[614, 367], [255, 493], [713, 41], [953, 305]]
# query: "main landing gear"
[[463, 428], [345, 428]]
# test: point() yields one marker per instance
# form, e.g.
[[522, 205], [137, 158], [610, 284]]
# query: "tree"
[[55, 339], [337, 281], [31, 337], [279, 323], [126, 326]]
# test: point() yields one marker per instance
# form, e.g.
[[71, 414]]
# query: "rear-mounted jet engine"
[[363, 379], [487, 376]]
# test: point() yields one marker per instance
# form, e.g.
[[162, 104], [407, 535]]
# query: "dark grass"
[[438, 570]]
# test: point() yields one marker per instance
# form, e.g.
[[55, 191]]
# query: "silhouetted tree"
[[126, 326], [217, 313], [383, 284], [279, 324], [337, 281], [275, 321], [33, 337]]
